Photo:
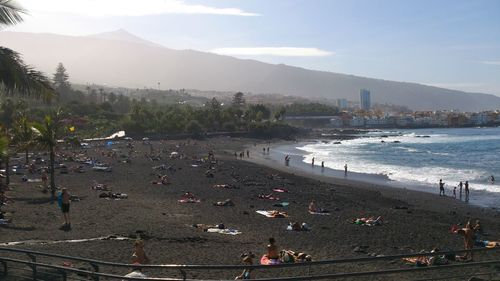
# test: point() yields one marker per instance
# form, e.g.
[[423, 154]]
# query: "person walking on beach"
[[441, 188], [322, 164], [64, 199], [455, 192], [466, 189], [345, 170], [460, 185], [312, 162]]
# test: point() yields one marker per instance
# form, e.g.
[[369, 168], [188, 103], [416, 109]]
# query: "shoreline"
[[278, 151]]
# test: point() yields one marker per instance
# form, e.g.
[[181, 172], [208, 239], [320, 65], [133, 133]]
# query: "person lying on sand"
[[162, 179], [100, 186], [268, 197], [225, 203], [205, 227], [370, 221], [297, 226], [112, 195], [289, 256]]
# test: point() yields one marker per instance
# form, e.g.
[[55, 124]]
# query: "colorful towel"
[[227, 231]]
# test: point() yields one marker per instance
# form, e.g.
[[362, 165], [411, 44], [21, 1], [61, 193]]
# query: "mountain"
[[123, 35], [121, 59]]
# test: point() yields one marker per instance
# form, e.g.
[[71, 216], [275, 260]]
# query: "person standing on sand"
[[345, 170], [441, 188], [65, 203], [139, 255], [466, 191], [460, 185], [455, 192], [248, 154], [468, 233], [312, 162]]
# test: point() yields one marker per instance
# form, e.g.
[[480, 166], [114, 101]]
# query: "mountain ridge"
[[125, 60]]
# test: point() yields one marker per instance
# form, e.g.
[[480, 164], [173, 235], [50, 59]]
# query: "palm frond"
[[10, 13], [17, 77]]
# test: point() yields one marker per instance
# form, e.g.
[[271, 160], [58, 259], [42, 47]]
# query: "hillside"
[[121, 59]]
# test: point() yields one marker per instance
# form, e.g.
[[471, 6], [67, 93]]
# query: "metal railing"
[[95, 274]]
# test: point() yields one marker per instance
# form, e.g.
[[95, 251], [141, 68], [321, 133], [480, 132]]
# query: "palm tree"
[[23, 135], [46, 134], [15, 75], [4, 152]]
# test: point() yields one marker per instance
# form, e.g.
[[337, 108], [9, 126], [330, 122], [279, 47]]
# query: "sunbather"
[[225, 203], [314, 209], [272, 250], [370, 221], [296, 226], [139, 255]]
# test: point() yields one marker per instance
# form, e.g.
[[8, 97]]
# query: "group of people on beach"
[[461, 185]]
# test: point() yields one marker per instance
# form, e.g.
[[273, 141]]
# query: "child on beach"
[[272, 250]]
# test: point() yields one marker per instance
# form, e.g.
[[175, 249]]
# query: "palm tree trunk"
[[7, 172], [52, 170]]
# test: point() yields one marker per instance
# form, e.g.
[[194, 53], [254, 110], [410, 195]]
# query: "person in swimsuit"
[[139, 255], [65, 207], [247, 260], [272, 250]]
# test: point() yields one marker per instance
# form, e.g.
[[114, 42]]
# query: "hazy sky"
[[447, 43]]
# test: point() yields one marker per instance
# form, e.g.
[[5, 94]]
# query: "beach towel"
[[272, 214], [189, 200], [227, 231], [34, 180], [281, 190], [281, 204], [267, 261]]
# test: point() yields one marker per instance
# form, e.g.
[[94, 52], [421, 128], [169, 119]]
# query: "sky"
[[446, 43]]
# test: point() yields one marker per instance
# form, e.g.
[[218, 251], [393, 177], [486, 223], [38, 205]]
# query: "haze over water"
[[419, 158]]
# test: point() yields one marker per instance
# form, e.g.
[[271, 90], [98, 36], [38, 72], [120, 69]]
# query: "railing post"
[[4, 265], [183, 273], [64, 275], [33, 266], [96, 269]]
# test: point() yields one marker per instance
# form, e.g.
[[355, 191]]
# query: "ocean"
[[414, 159]]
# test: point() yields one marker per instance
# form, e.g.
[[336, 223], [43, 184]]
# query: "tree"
[[23, 136], [238, 100], [61, 83], [4, 151], [15, 76], [46, 135]]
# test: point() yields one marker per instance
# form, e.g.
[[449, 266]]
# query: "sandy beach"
[[412, 221]]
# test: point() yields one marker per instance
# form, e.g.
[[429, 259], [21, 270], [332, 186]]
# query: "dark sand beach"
[[422, 223]]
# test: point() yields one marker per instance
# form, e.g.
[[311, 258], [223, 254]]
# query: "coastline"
[[278, 151]]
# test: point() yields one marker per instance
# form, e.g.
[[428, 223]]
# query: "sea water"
[[420, 158]]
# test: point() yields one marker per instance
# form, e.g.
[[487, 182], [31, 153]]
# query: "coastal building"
[[342, 103], [357, 122], [365, 100]]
